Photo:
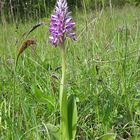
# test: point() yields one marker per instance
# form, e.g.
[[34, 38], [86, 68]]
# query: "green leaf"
[[42, 97], [72, 116], [135, 138], [53, 132], [108, 136]]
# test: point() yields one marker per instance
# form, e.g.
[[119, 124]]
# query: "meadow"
[[103, 72]]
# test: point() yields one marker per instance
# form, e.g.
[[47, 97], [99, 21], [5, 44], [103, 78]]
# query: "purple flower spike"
[[61, 25]]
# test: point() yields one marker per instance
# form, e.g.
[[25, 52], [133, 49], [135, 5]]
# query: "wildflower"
[[61, 25]]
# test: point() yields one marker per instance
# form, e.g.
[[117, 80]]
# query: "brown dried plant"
[[27, 43], [24, 46]]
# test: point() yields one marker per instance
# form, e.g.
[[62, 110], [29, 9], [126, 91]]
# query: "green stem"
[[63, 101]]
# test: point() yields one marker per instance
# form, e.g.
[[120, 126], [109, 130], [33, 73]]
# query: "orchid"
[[61, 25], [61, 28]]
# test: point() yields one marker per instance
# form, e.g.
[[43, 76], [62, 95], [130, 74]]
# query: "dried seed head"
[[25, 45]]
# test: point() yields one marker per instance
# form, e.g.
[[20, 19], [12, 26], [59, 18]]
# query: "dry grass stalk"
[[26, 34]]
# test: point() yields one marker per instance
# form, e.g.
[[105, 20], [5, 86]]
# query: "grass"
[[103, 72]]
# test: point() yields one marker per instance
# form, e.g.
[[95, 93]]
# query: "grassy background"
[[103, 71]]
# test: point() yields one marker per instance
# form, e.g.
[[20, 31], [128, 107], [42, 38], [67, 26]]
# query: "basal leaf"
[[72, 116]]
